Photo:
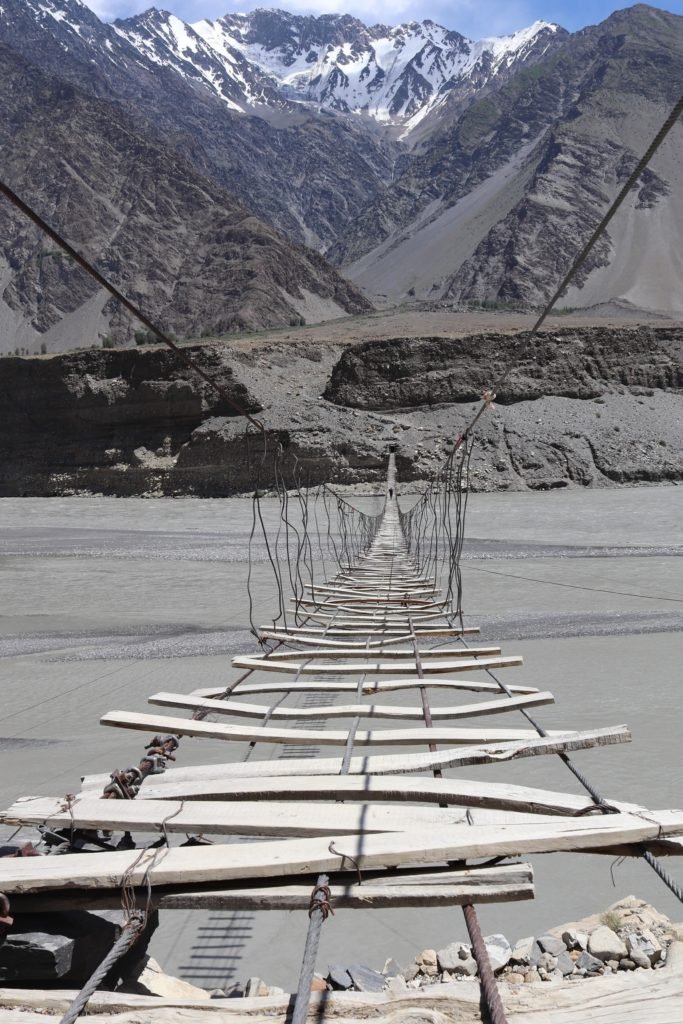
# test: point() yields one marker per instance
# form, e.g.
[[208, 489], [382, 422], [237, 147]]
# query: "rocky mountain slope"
[[593, 407], [178, 244], [498, 202], [426, 165]]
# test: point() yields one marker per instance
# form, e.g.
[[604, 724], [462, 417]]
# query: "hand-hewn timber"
[[316, 737], [190, 865], [238, 710]]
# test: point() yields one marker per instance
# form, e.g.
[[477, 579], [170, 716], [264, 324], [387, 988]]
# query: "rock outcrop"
[[590, 407]]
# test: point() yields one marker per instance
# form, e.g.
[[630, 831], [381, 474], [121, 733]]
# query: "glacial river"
[[105, 601]]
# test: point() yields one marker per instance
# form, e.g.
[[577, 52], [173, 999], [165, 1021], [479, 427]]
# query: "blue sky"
[[474, 18]]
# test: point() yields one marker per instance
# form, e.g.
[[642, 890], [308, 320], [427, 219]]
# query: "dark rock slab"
[[35, 956]]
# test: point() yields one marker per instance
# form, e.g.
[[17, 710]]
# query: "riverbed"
[[105, 601]]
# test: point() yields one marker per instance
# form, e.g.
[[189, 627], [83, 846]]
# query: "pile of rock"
[[629, 936]]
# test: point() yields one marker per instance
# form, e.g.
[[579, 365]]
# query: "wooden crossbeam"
[[237, 710], [441, 887], [368, 689], [314, 737], [191, 865], [247, 818], [372, 667], [401, 764]]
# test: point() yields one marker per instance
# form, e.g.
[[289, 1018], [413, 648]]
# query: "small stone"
[[216, 993], [391, 969], [427, 958], [275, 990], [255, 987], [396, 985], [551, 944], [612, 964], [415, 983], [606, 944], [547, 962], [448, 957], [522, 950], [574, 939], [365, 979], [319, 985], [339, 978], [565, 964], [640, 959], [446, 976], [589, 963], [515, 979], [674, 955], [465, 968], [499, 951], [627, 965], [645, 942], [531, 977]]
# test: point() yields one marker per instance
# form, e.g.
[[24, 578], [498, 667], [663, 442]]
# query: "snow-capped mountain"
[[394, 75]]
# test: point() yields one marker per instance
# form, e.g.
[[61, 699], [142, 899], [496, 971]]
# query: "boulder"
[[365, 979], [35, 956], [645, 942], [452, 954], [574, 939], [523, 949], [499, 951], [339, 978], [465, 968], [565, 964], [152, 981], [589, 963], [551, 944], [606, 944]]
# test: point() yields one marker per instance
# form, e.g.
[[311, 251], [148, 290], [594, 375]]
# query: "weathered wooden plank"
[[372, 667], [639, 997], [405, 763], [191, 865], [316, 737], [368, 689], [342, 631], [209, 782], [439, 887], [238, 710], [245, 818], [339, 651]]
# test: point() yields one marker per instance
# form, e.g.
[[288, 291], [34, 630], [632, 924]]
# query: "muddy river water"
[[105, 601]]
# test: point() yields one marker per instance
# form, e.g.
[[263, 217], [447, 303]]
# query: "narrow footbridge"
[[385, 818]]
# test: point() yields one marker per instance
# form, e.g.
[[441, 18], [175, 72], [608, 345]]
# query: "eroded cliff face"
[[89, 420], [588, 407]]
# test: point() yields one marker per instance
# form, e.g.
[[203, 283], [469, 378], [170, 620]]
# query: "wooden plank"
[[194, 784], [639, 997], [281, 858], [339, 640], [368, 689], [350, 631], [404, 763], [442, 887], [339, 651], [238, 710], [315, 737], [245, 818], [372, 667]]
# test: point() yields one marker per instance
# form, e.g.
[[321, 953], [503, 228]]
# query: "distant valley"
[[267, 169]]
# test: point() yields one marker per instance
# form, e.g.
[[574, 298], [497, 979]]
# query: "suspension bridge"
[[387, 819]]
